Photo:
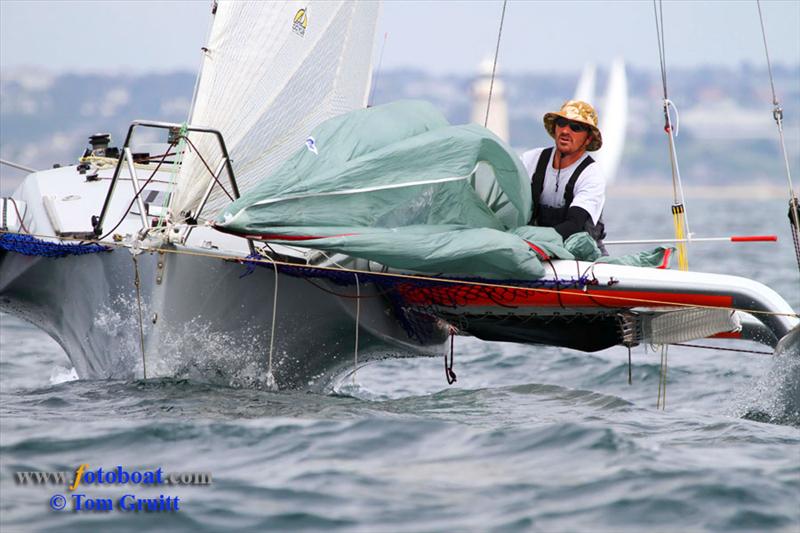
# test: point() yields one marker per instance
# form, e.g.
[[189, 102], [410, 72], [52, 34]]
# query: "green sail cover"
[[398, 185]]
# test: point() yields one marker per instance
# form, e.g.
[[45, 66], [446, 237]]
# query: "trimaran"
[[121, 260]]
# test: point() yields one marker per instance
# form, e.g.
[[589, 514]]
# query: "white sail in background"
[[585, 89], [614, 120], [272, 72], [613, 113]]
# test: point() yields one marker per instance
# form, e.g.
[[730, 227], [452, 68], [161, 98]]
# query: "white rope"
[[777, 114], [639, 301], [671, 104], [777, 111], [676, 171], [494, 65], [358, 319], [272, 385], [17, 166], [375, 188], [679, 211], [136, 283], [377, 72]]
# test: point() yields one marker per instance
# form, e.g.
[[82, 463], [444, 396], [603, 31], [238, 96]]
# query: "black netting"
[[29, 245]]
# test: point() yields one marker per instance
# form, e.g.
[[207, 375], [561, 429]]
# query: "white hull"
[[206, 317], [204, 320]]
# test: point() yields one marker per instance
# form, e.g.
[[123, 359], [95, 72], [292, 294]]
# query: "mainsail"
[[272, 72], [613, 113]]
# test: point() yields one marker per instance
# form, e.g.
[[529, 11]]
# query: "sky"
[[447, 37]]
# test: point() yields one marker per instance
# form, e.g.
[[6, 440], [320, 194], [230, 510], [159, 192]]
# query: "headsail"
[[585, 88], [273, 71]]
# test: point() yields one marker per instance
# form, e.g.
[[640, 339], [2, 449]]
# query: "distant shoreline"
[[650, 190]]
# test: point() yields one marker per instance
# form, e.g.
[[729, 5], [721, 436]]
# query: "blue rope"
[[28, 245]]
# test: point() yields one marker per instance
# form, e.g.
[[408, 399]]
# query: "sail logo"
[[300, 22], [311, 144]]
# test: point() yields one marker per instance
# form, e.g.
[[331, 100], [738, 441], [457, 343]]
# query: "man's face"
[[569, 141]]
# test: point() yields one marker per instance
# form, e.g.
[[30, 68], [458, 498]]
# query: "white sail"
[[614, 120], [585, 89], [273, 71]]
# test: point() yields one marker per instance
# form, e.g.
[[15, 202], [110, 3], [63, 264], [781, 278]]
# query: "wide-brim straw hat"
[[576, 111]]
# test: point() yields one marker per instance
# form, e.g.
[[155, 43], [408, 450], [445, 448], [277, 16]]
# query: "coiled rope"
[[777, 114]]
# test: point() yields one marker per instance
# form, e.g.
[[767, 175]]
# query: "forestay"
[[272, 72]]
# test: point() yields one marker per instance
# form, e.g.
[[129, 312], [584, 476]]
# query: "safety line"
[[582, 293], [136, 282], [358, 325], [718, 348], [777, 114], [494, 65]]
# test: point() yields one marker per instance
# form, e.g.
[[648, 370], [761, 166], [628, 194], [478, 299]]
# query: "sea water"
[[528, 439]]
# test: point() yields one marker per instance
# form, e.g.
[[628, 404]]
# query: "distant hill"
[[727, 133]]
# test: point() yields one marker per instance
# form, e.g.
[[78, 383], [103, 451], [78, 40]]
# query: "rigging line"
[[20, 217], [370, 101], [661, 48], [221, 186], [494, 65], [206, 55], [659, 16], [766, 52], [271, 383], [349, 297], [777, 114], [136, 283], [721, 349], [451, 281], [681, 219], [17, 166], [358, 319], [135, 196], [360, 190], [180, 149]]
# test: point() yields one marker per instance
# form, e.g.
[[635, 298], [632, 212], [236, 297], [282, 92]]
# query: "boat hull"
[[202, 316]]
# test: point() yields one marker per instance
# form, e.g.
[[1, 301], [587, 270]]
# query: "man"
[[568, 187]]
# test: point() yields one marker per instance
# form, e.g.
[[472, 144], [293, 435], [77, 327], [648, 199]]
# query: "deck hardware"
[[159, 273]]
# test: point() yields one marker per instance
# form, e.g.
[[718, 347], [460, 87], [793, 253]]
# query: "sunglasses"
[[574, 126]]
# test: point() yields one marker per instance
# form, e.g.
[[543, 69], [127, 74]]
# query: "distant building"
[[498, 111]]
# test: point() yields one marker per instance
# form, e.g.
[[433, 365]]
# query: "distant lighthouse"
[[498, 112]]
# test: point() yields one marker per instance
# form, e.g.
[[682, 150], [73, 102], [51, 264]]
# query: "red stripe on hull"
[[727, 335], [483, 296]]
